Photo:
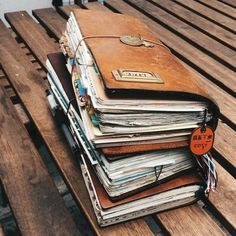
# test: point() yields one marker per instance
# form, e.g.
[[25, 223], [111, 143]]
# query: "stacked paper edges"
[[126, 185]]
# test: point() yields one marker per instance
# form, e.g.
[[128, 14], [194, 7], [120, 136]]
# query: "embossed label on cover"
[[137, 76]]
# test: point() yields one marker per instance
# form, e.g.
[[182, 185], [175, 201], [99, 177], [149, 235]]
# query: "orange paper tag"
[[202, 140]]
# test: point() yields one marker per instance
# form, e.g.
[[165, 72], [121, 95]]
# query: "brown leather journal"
[[112, 55], [147, 70], [106, 202]]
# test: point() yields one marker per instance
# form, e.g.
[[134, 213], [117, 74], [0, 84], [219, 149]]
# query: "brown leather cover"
[[109, 152], [111, 54], [106, 202], [58, 63]]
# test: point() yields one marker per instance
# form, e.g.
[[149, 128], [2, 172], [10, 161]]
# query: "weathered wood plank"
[[51, 20], [200, 23], [189, 221], [33, 35], [10, 92], [208, 13], [4, 82], [220, 7], [209, 65], [231, 3], [65, 10], [225, 143], [21, 113], [95, 6], [34, 199], [1, 231], [223, 200], [182, 48], [31, 89]]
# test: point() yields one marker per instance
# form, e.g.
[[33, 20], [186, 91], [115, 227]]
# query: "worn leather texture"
[[111, 54]]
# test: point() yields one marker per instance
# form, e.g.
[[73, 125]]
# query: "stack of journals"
[[130, 107]]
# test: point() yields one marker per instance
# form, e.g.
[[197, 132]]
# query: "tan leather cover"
[[114, 151], [106, 202], [110, 54]]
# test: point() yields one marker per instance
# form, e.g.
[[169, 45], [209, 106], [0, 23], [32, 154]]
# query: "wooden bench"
[[201, 35]]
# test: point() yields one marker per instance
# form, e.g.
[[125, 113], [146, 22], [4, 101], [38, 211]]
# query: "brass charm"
[[135, 41]]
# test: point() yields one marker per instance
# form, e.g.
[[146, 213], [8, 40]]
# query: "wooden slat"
[[124, 8], [223, 200], [96, 6], [189, 221], [225, 143], [231, 3], [21, 113], [33, 34], [188, 51], [199, 22], [65, 10], [215, 69], [50, 19], [34, 199], [209, 14], [220, 7], [1, 74], [1, 231], [4, 82], [31, 90], [10, 92]]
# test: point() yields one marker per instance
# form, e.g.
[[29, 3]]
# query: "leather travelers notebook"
[[106, 202], [110, 55], [146, 71]]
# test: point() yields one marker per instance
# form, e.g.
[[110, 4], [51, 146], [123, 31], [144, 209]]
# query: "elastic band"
[[110, 36], [67, 110], [159, 173]]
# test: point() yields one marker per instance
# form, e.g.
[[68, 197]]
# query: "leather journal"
[[132, 89], [131, 108]]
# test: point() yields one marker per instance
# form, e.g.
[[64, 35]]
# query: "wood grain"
[[33, 34], [1, 231], [207, 12], [191, 220], [31, 89], [229, 2], [66, 10], [225, 142], [202, 24], [220, 7], [214, 68], [51, 20], [96, 6], [34, 199], [21, 113], [223, 200]]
